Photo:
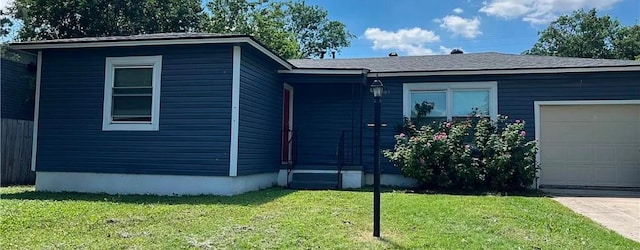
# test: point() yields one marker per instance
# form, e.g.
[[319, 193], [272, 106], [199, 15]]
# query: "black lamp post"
[[376, 88]]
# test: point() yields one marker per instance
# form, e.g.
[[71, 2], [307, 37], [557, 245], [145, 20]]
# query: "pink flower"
[[421, 161], [401, 135], [523, 133], [467, 146], [448, 125], [440, 136], [517, 121]]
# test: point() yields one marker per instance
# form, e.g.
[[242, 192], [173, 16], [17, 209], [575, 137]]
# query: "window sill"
[[130, 127]]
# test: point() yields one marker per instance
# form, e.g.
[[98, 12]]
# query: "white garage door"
[[590, 145]]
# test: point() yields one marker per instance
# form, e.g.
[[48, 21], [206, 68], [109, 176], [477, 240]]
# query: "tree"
[[54, 19], [292, 29], [587, 35], [315, 33], [5, 25], [626, 43], [263, 21]]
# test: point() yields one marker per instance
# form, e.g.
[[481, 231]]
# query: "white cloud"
[[540, 11], [5, 3], [468, 28], [458, 11], [411, 41]]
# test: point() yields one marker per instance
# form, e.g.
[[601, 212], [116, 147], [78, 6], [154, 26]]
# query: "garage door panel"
[[580, 153], [605, 176], [553, 153], [590, 145], [563, 174], [566, 132], [629, 176], [615, 132], [627, 154], [604, 154], [591, 113]]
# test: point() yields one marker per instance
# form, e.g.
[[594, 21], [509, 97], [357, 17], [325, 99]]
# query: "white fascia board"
[[214, 40], [507, 71], [325, 71], [235, 111], [36, 112]]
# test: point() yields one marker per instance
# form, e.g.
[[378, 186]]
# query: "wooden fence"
[[16, 153]]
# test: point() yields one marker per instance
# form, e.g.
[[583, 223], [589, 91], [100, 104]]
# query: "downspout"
[[362, 87]]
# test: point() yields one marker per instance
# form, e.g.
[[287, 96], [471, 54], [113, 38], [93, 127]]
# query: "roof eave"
[[507, 71], [311, 71], [152, 42]]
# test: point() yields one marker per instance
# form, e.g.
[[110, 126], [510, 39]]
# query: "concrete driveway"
[[616, 210]]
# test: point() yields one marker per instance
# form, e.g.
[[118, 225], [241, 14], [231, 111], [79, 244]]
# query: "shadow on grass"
[[247, 199], [392, 243], [391, 189]]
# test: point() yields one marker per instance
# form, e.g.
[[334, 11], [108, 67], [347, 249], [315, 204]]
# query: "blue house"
[[194, 113]]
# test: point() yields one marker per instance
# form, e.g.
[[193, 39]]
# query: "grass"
[[286, 219]]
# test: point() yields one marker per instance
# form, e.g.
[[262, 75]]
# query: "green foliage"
[[260, 19], [587, 35], [467, 154], [292, 29], [92, 18], [5, 25], [286, 219], [315, 33], [626, 44]]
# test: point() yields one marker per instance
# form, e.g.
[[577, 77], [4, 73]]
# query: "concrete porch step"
[[324, 167], [314, 181]]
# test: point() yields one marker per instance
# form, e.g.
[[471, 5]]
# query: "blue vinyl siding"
[[18, 88], [516, 94], [324, 106], [195, 114], [260, 114]]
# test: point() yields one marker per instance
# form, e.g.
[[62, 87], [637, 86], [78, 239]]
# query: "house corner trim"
[[36, 113], [235, 112]]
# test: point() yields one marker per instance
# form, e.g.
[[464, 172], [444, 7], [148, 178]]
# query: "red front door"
[[287, 123]]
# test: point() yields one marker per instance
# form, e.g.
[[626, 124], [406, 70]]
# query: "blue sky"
[[420, 27], [414, 27]]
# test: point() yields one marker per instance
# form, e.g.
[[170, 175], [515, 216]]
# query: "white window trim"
[[235, 110], [449, 87], [132, 61]]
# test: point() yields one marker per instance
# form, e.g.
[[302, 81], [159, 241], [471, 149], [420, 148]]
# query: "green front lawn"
[[286, 219]]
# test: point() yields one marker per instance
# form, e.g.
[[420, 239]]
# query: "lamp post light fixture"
[[377, 89]]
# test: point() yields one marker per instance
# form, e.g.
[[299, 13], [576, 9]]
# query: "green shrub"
[[466, 154]]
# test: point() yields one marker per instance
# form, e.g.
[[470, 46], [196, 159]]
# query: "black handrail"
[[290, 160], [340, 153]]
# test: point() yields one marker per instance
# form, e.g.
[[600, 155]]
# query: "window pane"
[[436, 100], [129, 77], [466, 103], [131, 108], [144, 91]]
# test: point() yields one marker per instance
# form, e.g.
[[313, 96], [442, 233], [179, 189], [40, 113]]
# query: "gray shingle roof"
[[143, 37], [457, 62], [433, 63]]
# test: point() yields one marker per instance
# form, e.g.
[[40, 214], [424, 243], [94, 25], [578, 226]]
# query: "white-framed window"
[[132, 93], [447, 101]]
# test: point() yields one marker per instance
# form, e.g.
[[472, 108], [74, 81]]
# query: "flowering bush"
[[467, 154]]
